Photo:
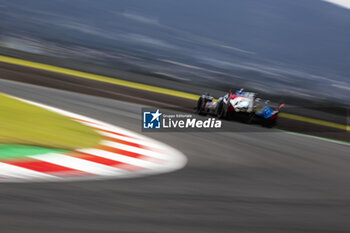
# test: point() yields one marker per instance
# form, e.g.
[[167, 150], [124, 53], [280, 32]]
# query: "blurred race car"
[[241, 105]]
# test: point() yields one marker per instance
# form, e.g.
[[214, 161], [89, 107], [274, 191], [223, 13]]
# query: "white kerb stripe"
[[12, 171], [133, 149], [111, 128], [79, 164], [145, 142], [120, 158]]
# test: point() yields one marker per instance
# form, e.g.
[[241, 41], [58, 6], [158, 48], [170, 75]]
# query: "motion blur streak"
[[131, 160], [112, 59], [315, 121], [244, 182], [273, 46], [148, 88], [98, 77]]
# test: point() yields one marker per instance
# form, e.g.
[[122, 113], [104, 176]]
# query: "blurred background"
[[250, 179], [296, 48]]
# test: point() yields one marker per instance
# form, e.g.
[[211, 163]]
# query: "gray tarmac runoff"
[[268, 181]]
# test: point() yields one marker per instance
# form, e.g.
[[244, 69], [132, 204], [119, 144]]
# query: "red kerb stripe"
[[125, 142], [112, 132], [130, 154], [41, 166], [105, 161]]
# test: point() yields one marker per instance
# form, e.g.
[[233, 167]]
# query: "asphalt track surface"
[[234, 182]]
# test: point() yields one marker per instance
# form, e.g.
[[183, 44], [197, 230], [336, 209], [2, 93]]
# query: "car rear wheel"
[[249, 118], [200, 106], [221, 111]]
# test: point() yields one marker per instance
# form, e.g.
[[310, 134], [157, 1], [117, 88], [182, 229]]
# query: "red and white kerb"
[[120, 154]]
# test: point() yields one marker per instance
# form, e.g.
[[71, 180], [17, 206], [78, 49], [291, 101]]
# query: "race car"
[[241, 105]]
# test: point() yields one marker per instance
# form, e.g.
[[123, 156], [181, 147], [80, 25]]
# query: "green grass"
[[22, 123], [9, 151]]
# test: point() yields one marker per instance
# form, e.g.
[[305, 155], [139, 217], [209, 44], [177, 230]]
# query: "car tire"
[[249, 118], [221, 113], [199, 108]]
